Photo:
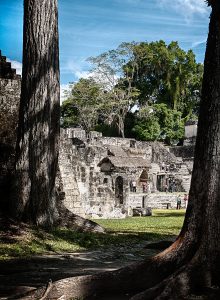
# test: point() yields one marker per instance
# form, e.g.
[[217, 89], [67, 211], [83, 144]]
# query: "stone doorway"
[[143, 181], [144, 176], [119, 189], [161, 182]]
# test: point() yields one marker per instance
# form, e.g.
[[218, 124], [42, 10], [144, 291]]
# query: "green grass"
[[162, 225]]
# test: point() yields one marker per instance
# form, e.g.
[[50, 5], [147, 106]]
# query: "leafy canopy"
[[161, 82]]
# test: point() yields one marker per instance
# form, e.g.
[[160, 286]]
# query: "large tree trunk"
[[35, 199], [190, 268], [38, 132]]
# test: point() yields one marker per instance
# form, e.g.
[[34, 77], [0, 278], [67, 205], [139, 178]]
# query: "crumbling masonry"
[[98, 173]]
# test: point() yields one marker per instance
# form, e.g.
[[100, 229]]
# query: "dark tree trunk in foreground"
[[190, 268], [38, 132], [35, 199]]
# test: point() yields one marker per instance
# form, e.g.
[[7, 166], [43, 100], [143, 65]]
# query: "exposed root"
[[49, 287], [187, 283], [131, 279], [156, 278], [175, 286], [70, 220]]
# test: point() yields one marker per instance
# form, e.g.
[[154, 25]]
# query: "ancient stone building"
[[99, 173], [10, 88], [100, 176]]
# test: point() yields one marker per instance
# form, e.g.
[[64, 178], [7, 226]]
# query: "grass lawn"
[[163, 223], [28, 241]]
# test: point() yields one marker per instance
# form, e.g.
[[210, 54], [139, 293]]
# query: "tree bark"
[[38, 131]]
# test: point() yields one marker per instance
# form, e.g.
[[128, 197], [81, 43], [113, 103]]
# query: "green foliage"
[[162, 81], [69, 114], [172, 125], [120, 94], [82, 104], [107, 130], [147, 128], [167, 74], [158, 122]]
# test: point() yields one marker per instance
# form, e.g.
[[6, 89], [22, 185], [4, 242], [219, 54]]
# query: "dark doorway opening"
[[161, 182], [144, 176], [119, 190]]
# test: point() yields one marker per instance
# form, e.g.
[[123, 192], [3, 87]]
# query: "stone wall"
[[90, 188], [155, 200], [10, 88], [86, 190], [186, 152]]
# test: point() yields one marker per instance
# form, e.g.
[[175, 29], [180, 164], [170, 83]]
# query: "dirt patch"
[[19, 275], [38, 270]]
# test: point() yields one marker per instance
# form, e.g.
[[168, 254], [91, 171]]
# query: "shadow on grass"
[[94, 240], [36, 270], [31, 270], [173, 214]]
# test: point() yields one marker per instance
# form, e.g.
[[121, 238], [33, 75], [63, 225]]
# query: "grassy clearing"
[[30, 241], [163, 223]]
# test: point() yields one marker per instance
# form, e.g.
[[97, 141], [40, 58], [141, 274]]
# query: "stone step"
[[186, 184], [2, 58]]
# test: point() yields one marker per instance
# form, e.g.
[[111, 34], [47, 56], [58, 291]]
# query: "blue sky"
[[90, 27]]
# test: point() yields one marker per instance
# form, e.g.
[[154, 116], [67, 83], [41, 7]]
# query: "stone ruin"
[[10, 89], [98, 173]]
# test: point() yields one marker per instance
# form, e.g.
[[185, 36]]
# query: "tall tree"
[[120, 96], [190, 267], [82, 104], [167, 74], [38, 131]]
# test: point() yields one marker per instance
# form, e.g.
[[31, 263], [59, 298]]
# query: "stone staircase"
[[6, 70], [183, 170], [70, 187], [186, 181]]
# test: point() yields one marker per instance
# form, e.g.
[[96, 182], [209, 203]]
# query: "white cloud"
[[188, 8], [78, 69], [83, 74], [197, 44], [63, 88], [16, 65]]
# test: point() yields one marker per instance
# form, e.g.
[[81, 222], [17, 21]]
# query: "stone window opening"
[[105, 180], [161, 183], [132, 143]]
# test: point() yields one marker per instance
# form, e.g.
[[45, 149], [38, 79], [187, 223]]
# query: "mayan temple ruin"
[[10, 89], [102, 176]]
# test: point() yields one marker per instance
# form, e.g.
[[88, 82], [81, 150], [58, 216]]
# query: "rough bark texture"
[[38, 132], [36, 197], [190, 268]]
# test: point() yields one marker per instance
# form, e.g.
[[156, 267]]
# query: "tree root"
[[77, 223], [132, 279], [159, 278], [184, 284], [49, 287]]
